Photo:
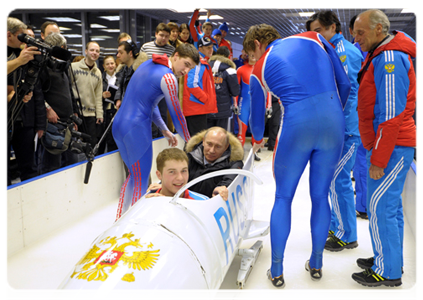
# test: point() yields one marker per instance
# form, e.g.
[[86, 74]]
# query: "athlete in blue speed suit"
[[305, 73], [132, 124]]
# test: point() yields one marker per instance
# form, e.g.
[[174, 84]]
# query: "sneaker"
[[331, 233], [316, 274], [362, 215], [277, 281], [366, 263], [256, 157], [335, 244], [370, 278]]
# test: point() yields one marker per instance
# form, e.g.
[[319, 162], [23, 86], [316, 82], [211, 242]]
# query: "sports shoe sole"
[[352, 245], [275, 281], [390, 283], [308, 268]]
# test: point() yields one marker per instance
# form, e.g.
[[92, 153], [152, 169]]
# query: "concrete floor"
[[37, 271]]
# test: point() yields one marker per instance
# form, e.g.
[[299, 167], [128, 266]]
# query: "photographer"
[[54, 88], [29, 116]]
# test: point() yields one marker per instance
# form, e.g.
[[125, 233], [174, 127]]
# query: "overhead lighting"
[[306, 14], [213, 17], [407, 11], [185, 10], [97, 26], [64, 28], [62, 19], [102, 37], [111, 30], [72, 36], [110, 18]]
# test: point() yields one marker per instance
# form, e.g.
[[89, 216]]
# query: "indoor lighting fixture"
[[110, 18], [407, 11], [306, 14], [185, 10]]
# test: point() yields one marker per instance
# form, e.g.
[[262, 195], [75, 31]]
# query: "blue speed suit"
[[305, 73], [344, 219], [131, 128]]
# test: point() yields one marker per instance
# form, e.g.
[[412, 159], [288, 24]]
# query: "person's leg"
[[386, 221], [360, 176], [342, 194]]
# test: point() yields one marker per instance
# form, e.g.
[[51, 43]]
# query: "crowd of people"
[[345, 106]]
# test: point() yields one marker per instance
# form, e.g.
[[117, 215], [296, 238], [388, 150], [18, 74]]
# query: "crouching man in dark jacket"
[[212, 150]]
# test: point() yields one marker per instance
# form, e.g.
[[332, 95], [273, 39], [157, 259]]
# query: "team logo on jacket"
[[389, 68], [102, 260], [343, 58]]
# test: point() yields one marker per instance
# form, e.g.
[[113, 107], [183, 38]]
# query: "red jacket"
[[199, 95], [387, 98]]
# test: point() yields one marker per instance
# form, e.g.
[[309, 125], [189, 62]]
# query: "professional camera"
[[58, 59]]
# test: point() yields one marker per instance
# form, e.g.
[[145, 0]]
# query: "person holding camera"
[[54, 88], [27, 118]]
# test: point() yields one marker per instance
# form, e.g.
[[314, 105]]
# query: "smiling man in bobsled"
[[172, 170]]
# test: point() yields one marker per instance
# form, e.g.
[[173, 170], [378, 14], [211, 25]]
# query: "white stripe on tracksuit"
[[335, 202], [374, 201], [390, 88]]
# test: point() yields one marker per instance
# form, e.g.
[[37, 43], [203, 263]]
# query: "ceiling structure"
[[286, 21]]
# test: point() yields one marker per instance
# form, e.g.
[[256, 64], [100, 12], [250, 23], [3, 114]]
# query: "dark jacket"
[[231, 159], [225, 83]]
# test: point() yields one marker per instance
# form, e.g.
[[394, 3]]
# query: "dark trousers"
[[218, 122], [89, 127], [22, 142], [274, 123], [196, 124], [51, 162]]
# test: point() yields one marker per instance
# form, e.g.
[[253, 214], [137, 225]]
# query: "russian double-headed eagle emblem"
[[389, 68], [101, 260]]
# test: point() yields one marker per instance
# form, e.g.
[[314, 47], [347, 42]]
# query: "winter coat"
[[231, 159], [225, 83]]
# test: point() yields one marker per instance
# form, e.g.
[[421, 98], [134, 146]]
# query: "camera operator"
[[31, 118], [54, 88]]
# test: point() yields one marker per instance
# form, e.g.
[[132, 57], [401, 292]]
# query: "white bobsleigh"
[[175, 243]]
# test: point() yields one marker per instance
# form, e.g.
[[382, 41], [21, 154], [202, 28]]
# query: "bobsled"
[[176, 243]]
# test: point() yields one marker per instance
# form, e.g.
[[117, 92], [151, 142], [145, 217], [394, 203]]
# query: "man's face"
[[29, 32], [181, 65], [207, 50], [214, 145], [326, 33], [258, 52], [174, 34], [223, 33], [367, 38], [123, 56], [162, 38], [49, 29], [12, 39], [208, 30], [173, 176], [93, 52], [218, 38], [184, 34]]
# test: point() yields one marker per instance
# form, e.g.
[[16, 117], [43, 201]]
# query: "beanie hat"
[[224, 26], [216, 32], [204, 42]]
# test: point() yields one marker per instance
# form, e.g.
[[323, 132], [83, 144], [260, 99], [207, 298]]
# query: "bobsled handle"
[[215, 174]]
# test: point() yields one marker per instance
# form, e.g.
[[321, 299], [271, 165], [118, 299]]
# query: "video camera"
[[58, 59]]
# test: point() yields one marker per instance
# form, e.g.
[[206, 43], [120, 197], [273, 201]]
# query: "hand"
[[40, 133], [209, 13], [107, 94], [154, 187], [171, 138], [52, 117], [99, 121], [151, 195], [27, 54], [376, 172], [258, 146], [222, 191], [269, 112], [27, 97], [235, 109], [118, 104]]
